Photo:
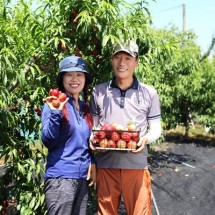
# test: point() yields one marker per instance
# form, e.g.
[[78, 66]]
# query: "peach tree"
[[183, 76]]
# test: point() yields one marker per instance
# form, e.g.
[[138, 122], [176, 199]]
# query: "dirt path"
[[180, 189]]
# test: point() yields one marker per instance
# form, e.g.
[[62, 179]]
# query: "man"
[[118, 101]]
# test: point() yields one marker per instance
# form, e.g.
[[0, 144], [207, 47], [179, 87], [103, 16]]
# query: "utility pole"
[[184, 17]]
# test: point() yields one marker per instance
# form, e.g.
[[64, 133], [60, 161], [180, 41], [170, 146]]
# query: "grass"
[[197, 132]]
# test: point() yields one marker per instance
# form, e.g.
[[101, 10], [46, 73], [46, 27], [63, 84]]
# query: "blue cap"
[[74, 64]]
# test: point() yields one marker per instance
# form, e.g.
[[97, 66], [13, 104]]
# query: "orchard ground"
[[183, 176]]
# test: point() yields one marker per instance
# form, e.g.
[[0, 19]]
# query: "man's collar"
[[134, 85]]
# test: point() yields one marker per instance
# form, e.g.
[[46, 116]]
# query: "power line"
[[169, 9]]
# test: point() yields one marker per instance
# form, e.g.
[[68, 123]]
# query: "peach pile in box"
[[115, 136]]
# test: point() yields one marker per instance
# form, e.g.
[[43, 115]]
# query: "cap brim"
[[123, 50], [76, 69], [73, 69]]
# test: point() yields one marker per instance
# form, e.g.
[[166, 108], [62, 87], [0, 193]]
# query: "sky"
[[199, 17]]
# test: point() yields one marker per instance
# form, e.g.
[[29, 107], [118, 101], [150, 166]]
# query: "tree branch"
[[209, 50]]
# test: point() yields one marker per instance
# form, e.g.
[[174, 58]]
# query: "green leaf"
[[29, 176], [8, 62], [25, 19], [32, 203], [42, 198], [20, 168], [105, 40]]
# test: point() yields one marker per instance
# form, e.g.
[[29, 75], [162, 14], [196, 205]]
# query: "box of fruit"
[[116, 137]]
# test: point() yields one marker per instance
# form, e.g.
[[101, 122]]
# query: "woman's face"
[[74, 82]]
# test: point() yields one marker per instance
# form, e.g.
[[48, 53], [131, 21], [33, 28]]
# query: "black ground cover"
[[183, 178]]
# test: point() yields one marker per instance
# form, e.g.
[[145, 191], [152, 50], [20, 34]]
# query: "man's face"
[[124, 65]]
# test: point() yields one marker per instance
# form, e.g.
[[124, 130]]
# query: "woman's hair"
[[87, 114], [60, 82]]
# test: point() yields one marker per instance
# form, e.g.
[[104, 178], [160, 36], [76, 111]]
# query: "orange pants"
[[134, 185]]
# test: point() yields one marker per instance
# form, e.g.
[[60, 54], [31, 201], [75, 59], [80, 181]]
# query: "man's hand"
[[141, 145], [92, 145], [91, 175], [92, 142]]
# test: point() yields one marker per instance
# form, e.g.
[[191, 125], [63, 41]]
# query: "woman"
[[65, 132]]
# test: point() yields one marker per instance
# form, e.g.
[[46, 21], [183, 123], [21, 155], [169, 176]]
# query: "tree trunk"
[[187, 124]]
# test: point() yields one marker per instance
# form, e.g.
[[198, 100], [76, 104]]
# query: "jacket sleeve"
[[50, 126]]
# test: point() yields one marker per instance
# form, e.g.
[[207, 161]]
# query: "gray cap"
[[129, 47]]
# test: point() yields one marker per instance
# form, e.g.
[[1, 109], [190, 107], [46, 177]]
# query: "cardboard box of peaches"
[[116, 137]]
